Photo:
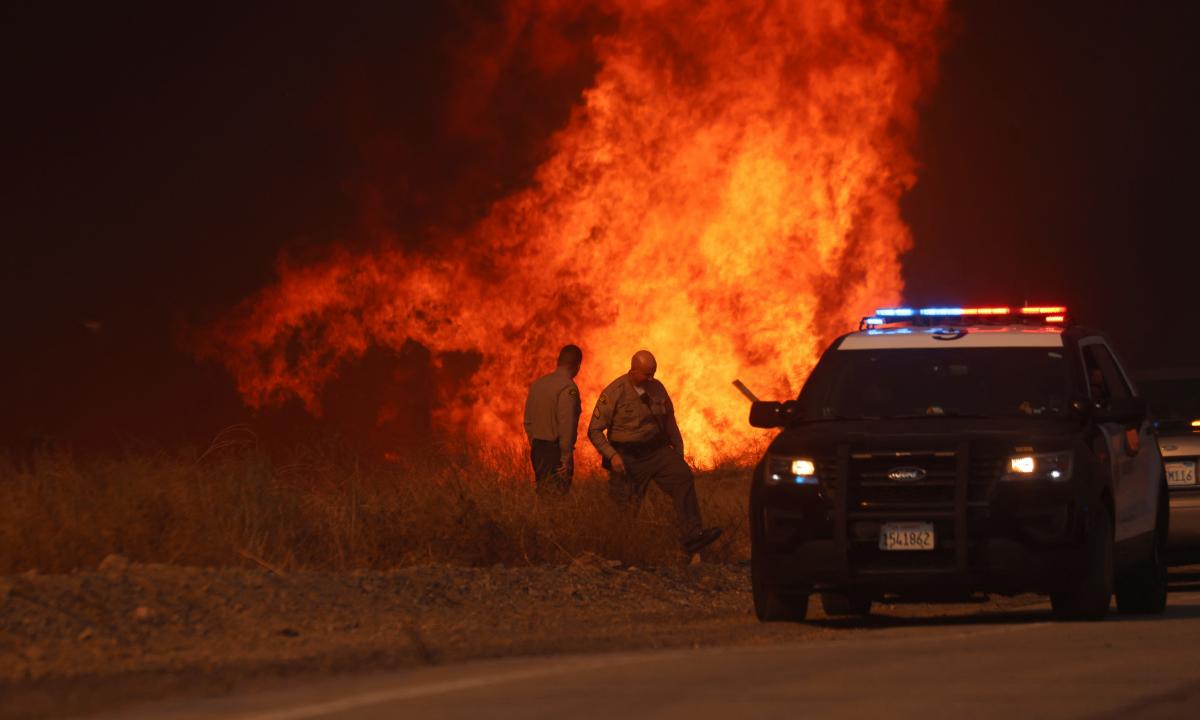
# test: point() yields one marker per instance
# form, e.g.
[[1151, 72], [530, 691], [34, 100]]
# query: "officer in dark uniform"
[[552, 412], [643, 444]]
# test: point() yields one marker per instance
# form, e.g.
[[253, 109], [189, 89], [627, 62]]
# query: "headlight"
[[795, 471], [1039, 466]]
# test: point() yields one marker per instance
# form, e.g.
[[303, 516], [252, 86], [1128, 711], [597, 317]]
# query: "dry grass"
[[323, 508]]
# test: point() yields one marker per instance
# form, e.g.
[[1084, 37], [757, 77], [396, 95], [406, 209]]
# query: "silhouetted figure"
[[552, 412]]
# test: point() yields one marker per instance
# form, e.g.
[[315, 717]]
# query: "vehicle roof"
[[959, 336]]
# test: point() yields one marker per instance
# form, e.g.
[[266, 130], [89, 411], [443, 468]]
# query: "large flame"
[[725, 196]]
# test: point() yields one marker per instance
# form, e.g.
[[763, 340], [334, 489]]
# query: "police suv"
[[941, 452]]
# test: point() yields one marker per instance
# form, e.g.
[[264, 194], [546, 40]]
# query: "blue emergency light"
[[1047, 314]]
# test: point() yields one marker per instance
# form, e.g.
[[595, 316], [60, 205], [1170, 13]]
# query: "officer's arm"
[[601, 420], [567, 410], [673, 435], [528, 416]]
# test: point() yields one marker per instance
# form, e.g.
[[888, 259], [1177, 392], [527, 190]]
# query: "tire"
[[771, 605], [848, 604], [1143, 590], [1088, 592]]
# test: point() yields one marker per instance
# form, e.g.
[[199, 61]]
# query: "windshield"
[[1172, 399], [974, 382]]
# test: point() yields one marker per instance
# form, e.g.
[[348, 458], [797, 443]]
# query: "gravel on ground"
[[124, 632]]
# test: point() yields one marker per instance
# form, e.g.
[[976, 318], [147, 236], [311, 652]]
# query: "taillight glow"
[[1055, 310]]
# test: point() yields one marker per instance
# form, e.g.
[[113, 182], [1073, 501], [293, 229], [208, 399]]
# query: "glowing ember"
[[726, 197]]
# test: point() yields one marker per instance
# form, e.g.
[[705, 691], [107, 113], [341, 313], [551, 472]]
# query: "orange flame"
[[725, 196]]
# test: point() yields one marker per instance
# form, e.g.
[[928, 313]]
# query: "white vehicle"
[[1174, 399]]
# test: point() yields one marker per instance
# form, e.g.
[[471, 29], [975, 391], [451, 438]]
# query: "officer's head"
[[570, 358], [642, 367]]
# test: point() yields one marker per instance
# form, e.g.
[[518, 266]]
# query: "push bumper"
[[1022, 540], [1000, 565]]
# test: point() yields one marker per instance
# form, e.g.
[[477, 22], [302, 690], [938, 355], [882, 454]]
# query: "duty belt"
[[639, 450]]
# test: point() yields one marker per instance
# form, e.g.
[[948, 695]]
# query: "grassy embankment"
[[234, 504]]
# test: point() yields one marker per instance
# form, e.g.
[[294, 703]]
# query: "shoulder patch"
[[600, 403], [573, 392]]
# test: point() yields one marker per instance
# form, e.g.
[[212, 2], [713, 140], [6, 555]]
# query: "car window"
[[1104, 377], [1177, 399], [890, 383]]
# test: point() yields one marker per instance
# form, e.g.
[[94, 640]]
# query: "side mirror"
[[765, 414], [1123, 410]]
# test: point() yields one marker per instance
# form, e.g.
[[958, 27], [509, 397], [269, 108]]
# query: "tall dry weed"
[[324, 508]]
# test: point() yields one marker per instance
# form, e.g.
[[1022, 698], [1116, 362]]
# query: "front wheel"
[[1143, 590], [771, 605], [1087, 592]]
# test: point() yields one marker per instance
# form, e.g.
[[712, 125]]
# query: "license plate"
[[1181, 473], [906, 536]]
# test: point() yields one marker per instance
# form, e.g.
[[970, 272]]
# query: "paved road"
[[1016, 664]]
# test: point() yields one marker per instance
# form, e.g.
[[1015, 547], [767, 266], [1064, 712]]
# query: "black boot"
[[701, 540]]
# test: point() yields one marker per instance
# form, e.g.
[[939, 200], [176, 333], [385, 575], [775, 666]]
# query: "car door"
[[1132, 452], [1147, 462]]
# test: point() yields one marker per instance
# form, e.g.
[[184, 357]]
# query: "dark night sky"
[[158, 162]]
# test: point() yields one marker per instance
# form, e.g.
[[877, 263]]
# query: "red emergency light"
[[1056, 310], [1051, 314]]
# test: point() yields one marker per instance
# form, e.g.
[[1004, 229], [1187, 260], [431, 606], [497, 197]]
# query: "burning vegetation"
[[725, 194]]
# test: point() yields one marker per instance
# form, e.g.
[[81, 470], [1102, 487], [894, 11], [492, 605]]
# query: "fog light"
[[797, 471], [1024, 465], [1054, 466]]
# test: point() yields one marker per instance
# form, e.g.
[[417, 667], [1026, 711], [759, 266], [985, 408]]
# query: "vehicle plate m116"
[[1181, 473]]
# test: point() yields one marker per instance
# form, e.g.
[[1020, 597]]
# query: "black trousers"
[[667, 469], [546, 456]]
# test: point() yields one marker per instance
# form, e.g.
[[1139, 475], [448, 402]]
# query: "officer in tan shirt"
[[552, 412], [643, 443]]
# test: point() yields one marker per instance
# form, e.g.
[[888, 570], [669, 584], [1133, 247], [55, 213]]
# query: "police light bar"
[[908, 315], [906, 312], [957, 312]]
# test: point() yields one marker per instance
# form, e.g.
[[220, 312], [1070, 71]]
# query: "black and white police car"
[[943, 452]]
